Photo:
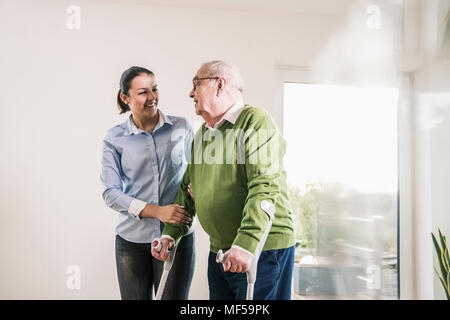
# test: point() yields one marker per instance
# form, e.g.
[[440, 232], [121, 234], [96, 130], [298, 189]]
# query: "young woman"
[[143, 162]]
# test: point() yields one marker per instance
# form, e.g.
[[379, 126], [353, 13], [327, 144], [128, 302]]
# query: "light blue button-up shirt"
[[137, 166]]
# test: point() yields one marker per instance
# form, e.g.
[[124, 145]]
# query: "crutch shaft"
[[157, 246], [269, 209]]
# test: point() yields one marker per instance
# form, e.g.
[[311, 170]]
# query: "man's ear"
[[221, 83]]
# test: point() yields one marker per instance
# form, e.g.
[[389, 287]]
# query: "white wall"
[[58, 100], [432, 174], [431, 138]]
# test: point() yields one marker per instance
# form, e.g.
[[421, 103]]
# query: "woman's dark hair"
[[125, 84]]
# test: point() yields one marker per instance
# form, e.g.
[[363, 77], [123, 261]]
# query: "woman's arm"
[[116, 199], [111, 177], [172, 213]]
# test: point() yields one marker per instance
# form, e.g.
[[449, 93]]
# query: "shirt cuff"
[[242, 249], [135, 208]]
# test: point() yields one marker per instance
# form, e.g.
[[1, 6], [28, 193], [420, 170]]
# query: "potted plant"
[[444, 261]]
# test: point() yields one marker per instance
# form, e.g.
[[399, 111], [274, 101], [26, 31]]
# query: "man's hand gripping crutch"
[[221, 257], [163, 249]]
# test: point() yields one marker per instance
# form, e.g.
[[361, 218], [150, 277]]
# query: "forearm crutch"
[[157, 246], [252, 270]]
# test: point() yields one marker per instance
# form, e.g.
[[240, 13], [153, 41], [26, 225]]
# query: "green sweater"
[[232, 169]]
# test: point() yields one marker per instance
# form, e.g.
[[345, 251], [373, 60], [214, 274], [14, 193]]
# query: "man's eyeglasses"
[[194, 86]]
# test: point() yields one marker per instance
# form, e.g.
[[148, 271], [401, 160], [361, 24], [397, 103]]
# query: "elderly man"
[[236, 173]]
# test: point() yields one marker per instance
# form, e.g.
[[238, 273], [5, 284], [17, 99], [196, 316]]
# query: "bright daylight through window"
[[342, 172]]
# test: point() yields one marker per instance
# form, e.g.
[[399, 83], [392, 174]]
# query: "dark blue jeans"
[[273, 278], [139, 272]]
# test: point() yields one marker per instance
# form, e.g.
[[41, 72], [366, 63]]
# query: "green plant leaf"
[[443, 257], [445, 251], [444, 263], [442, 240], [447, 258], [439, 255], [443, 283], [447, 291]]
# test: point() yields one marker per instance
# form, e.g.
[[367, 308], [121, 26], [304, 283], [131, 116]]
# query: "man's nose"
[[191, 93]]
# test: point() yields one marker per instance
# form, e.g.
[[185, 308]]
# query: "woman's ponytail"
[[123, 107]]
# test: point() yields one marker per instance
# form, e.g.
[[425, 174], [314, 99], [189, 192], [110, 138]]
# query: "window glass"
[[342, 172]]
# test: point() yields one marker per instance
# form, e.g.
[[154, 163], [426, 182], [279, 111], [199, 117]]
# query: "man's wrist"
[[242, 249], [166, 236]]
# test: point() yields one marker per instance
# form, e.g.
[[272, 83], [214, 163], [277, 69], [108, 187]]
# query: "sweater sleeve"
[[264, 151]]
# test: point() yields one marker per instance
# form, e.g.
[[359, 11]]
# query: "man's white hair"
[[219, 68]]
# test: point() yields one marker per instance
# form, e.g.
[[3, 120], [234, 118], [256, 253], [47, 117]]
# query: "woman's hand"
[[172, 213]]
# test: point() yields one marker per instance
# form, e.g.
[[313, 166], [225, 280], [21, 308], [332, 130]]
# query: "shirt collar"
[[133, 129], [231, 115]]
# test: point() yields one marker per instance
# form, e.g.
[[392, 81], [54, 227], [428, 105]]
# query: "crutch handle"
[[157, 246], [220, 257]]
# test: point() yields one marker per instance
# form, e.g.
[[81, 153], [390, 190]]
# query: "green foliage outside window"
[[323, 218]]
